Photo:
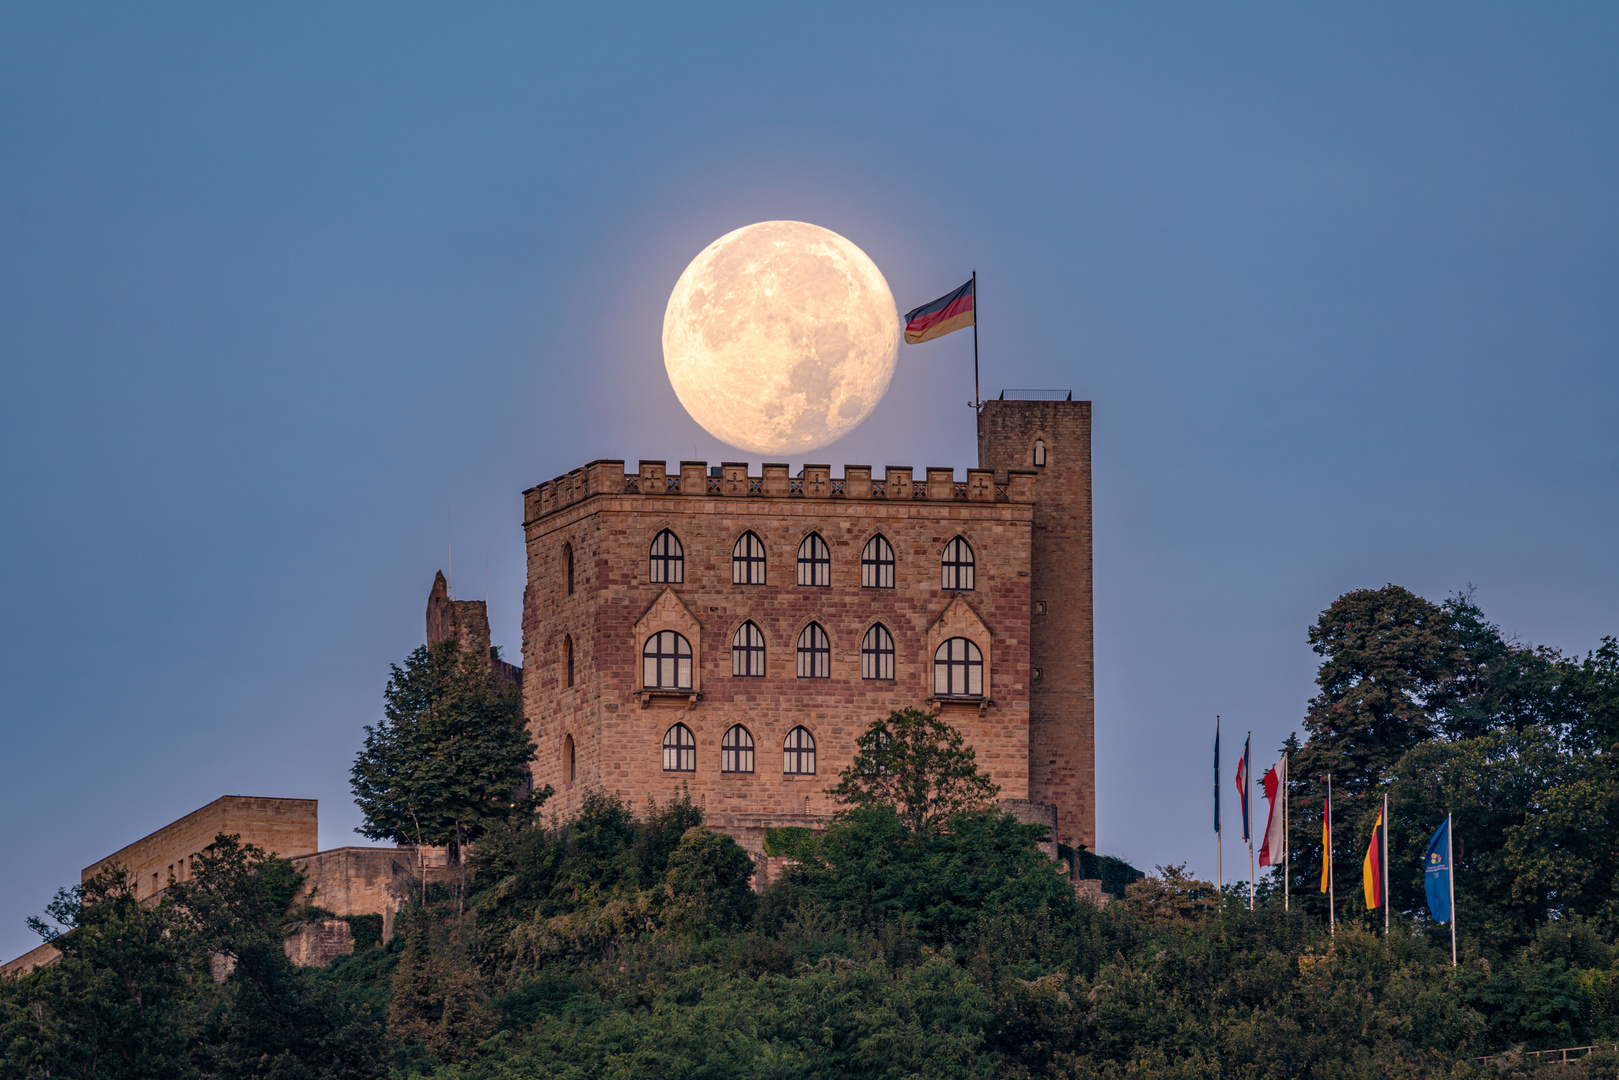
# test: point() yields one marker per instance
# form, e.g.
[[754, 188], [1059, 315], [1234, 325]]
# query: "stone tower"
[[1053, 438], [468, 622]]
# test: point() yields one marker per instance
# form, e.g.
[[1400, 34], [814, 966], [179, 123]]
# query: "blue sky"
[[284, 293]]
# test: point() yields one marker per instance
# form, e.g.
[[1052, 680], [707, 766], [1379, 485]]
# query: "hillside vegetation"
[[626, 942]]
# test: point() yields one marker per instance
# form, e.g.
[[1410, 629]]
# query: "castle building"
[[729, 636]]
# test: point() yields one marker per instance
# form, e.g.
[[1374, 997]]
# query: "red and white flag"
[[1274, 847]]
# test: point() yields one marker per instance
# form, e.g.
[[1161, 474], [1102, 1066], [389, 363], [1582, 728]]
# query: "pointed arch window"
[[877, 564], [814, 561], [877, 653], [679, 750], [667, 564], [957, 565], [736, 751], [798, 753], [748, 652], [958, 669], [814, 653], [666, 662], [567, 550], [568, 758], [748, 560], [1040, 453], [567, 649]]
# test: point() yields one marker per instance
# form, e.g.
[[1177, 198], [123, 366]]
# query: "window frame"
[[679, 742], [874, 568], [794, 752], [750, 565], [659, 657], [737, 756], [666, 567], [818, 560], [877, 653], [748, 654], [953, 569], [1039, 453], [969, 664], [818, 650]]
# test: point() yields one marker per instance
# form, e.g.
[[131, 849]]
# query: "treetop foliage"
[[450, 758], [921, 766]]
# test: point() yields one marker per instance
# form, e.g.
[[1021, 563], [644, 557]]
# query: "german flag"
[[952, 311], [1371, 867]]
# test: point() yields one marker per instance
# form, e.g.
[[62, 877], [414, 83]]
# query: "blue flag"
[[1436, 873]]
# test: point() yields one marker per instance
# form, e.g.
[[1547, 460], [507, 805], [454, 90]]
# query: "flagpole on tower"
[[978, 401]]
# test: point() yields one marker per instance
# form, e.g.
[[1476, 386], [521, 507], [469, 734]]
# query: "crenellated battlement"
[[730, 479]]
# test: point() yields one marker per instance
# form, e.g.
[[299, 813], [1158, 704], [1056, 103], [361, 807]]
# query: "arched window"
[[814, 561], [958, 565], [679, 750], [748, 561], [668, 560], [877, 653], [958, 669], [877, 564], [748, 651], [567, 649], [798, 753], [666, 662], [568, 554], [567, 758], [736, 750], [814, 653], [1040, 453]]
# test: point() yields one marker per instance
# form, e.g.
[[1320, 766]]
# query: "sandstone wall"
[[287, 827], [1062, 699], [608, 520]]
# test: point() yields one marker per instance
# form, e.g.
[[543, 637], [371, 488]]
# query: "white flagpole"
[[1287, 846], [1450, 860], [1332, 895], [1219, 837], [1385, 864], [1247, 815]]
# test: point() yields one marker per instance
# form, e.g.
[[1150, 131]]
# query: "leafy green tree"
[[267, 1019], [450, 758], [921, 766], [114, 1006]]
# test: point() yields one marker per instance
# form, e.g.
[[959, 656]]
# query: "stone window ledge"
[[983, 704], [646, 697]]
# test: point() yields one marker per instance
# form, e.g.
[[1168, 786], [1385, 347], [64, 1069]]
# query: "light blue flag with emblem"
[[1436, 873]]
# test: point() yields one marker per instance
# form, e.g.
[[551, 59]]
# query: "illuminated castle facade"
[[729, 635]]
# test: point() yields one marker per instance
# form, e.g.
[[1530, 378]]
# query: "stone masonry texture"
[[606, 731], [1062, 696]]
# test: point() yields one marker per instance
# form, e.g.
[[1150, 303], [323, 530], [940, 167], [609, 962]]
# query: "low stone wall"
[[1032, 812], [42, 956], [317, 944]]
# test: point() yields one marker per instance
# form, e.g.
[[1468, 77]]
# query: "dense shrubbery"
[[925, 935]]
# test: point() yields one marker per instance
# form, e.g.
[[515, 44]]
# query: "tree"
[[114, 1005], [919, 765], [450, 759], [267, 1018]]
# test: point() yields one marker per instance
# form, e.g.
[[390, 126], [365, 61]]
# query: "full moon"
[[780, 337]]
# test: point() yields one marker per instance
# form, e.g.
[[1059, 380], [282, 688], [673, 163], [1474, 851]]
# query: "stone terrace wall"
[[287, 827]]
